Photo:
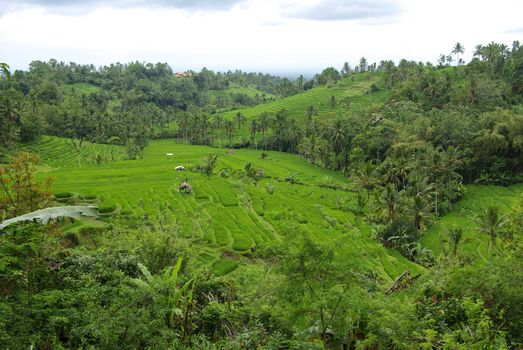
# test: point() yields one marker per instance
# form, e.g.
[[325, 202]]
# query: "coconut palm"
[[391, 200], [265, 122], [240, 118], [253, 130], [455, 234], [229, 129], [457, 50], [451, 163], [367, 178], [218, 123], [420, 211], [490, 222]]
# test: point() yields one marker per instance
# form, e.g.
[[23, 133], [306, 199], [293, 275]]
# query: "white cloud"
[[252, 35]]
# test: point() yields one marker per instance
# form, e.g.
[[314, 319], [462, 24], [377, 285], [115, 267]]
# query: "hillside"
[[60, 152], [228, 214], [464, 215], [351, 96]]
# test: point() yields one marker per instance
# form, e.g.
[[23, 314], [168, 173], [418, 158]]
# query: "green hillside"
[[55, 152], [464, 215], [351, 96], [250, 91], [227, 214]]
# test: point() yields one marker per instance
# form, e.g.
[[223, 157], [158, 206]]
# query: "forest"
[[378, 206]]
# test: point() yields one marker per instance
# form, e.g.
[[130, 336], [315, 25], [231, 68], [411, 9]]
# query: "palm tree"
[[391, 200], [457, 50], [490, 221], [265, 122], [240, 118], [455, 234], [436, 167], [4, 68], [420, 211], [451, 162], [366, 177], [229, 129], [253, 130], [218, 123]]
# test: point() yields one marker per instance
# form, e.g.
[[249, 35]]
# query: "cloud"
[[335, 10], [82, 5]]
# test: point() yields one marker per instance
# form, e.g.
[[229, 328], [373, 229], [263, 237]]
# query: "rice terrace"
[[330, 194]]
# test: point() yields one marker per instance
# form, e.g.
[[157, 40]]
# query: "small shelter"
[[185, 187]]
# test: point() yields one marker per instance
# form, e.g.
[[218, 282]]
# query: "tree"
[[253, 131], [363, 65], [229, 129], [318, 282], [218, 124], [366, 177], [240, 118], [20, 191], [265, 122], [490, 222], [420, 212], [457, 50], [455, 234], [346, 70], [391, 200], [4, 68]]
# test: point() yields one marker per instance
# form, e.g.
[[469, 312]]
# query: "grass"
[[464, 214], [223, 214]]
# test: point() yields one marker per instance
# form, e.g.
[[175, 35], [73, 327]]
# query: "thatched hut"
[[185, 187]]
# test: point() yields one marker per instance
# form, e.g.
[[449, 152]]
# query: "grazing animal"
[[185, 187], [179, 168], [168, 154], [231, 151]]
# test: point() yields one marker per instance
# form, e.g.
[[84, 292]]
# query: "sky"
[[274, 36]]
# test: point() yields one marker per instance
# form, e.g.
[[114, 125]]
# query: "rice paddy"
[[227, 214]]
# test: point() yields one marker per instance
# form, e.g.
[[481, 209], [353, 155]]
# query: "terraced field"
[[350, 96], [250, 91], [464, 214], [55, 152], [227, 215]]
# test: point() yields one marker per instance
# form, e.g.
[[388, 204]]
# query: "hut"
[[185, 187]]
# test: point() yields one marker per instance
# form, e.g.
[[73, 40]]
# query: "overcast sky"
[[262, 35]]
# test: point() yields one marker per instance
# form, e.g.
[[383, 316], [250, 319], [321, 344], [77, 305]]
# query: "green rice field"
[[226, 215]]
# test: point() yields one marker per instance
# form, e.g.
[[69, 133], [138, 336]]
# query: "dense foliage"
[[408, 161]]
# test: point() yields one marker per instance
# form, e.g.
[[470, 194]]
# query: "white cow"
[[179, 168]]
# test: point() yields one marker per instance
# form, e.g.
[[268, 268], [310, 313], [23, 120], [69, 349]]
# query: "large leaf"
[[43, 216]]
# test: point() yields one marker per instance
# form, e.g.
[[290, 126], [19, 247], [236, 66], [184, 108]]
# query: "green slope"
[[55, 152], [356, 92], [464, 214], [229, 214], [250, 91]]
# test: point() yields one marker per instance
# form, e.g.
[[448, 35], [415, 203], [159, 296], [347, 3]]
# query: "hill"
[[351, 95]]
